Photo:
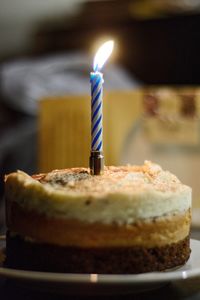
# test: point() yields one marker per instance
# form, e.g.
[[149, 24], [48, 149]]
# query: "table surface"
[[190, 289], [187, 289]]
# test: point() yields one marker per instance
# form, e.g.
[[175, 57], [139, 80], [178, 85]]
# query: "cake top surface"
[[122, 194], [123, 179]]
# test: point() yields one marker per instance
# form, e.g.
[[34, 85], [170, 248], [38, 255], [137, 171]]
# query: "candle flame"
[[102, 55]]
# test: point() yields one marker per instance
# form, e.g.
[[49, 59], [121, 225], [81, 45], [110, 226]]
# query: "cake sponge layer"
[[149, 233]]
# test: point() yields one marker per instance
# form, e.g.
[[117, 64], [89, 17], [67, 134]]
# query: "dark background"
[[156, 42]]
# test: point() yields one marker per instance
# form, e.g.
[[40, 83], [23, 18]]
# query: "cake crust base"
[[28, 255]]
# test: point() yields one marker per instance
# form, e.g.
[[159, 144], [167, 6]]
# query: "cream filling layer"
[[158, 232], [121, 207]]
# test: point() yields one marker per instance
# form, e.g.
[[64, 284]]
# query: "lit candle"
[[96, 79]]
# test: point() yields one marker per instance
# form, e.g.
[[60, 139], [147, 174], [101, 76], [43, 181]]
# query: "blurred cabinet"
[[64, 128]]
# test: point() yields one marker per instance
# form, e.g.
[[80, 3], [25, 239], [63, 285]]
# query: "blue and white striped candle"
[[96, 79]]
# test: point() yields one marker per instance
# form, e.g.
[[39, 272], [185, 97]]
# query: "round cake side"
[[139, 222]]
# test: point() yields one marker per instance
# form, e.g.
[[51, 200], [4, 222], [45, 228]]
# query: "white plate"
[[104, 283]]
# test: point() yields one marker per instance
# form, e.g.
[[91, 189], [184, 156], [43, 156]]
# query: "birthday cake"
[[131, 219]]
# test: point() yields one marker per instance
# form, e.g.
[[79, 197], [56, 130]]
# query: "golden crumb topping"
[[115, 179]]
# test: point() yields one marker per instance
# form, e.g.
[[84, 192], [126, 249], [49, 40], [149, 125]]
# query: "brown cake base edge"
[[27, 255]]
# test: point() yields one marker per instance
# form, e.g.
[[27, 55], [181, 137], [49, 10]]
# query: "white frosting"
[[122, 195]]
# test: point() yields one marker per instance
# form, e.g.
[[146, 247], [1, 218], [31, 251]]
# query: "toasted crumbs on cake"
[[115, 179]]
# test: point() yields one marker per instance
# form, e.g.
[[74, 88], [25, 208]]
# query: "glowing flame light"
[[102, 55]]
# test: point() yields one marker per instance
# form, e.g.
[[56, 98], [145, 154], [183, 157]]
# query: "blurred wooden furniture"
[[64, 128]]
